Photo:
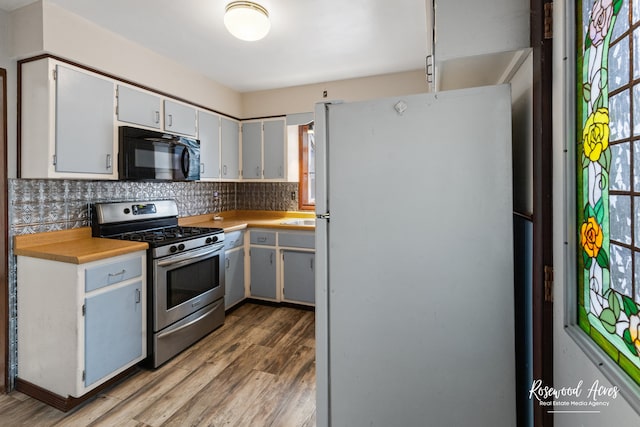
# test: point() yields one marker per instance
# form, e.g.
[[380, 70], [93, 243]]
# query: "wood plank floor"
[[256, 370]]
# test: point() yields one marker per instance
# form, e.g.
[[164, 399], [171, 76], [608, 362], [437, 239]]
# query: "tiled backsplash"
[[47, 205], [268, 196]]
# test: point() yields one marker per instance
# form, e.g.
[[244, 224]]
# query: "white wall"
[[299, 99], [570, 363], [46, 27], [27, 30]]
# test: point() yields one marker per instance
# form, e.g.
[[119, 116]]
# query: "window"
[[608, 177], [307, 191]]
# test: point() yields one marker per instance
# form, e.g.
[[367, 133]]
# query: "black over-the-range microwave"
[[150, 155]]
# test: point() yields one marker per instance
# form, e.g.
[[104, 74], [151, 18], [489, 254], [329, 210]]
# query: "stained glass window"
[[608, 177]]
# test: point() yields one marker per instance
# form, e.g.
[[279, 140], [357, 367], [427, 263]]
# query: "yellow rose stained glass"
[[608, 187], [595, 136]]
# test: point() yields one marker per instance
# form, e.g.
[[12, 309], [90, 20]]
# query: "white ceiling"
[[310, 41]]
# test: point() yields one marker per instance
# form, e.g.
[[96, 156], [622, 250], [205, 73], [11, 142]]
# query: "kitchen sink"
[[299, 221]]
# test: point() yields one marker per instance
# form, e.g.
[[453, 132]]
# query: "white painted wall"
[[27, 30], [570, 363], [67, 35], [300, 99]]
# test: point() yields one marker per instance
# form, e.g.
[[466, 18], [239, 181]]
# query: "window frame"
[[303, 172]]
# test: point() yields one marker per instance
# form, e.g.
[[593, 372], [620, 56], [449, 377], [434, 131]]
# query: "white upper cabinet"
[[263, 149], [230, 148], [469, 27], [478, 43], [147, 109], [274, 149], [180, 118], [209, 136], [138, 107], [84, 122], [252, 150], [67, 122]]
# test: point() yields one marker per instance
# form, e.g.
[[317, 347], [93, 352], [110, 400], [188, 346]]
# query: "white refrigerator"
[[414, 253]]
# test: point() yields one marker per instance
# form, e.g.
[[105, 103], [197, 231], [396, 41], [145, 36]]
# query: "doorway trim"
[[542, 293], [4, 237]]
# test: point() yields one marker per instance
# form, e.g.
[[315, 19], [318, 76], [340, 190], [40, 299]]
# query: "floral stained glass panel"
[[608, 177]]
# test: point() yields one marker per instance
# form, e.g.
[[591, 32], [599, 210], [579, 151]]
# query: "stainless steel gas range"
[[185, 271]]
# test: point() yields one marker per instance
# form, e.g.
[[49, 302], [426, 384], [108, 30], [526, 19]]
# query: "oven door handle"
[[190, 257], [186, 325]]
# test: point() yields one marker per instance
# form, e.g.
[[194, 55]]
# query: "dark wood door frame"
[[4, 237], [541, 42]]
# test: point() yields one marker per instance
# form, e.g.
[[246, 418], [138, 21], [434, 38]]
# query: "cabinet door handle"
[[157, 116], [224, 170], [258, 171], [170, 120], [280, 172], [262, 239], [119, 273], [109, 163], [138, 296], [271, 258], [429, 68], [201, 167], [227, 262], [311, 263]]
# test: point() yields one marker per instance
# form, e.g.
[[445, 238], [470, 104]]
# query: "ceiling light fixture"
[[247, 20]]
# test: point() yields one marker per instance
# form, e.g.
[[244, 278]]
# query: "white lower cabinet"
[[263, 273], [80, 324], [234, 268], [282, 266], [298, 267], [298, 276]]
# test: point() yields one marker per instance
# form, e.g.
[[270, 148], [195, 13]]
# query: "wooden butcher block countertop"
[[75, 246], [238, 220]]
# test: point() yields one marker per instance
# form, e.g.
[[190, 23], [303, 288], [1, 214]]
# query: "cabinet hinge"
[[55, 74], [548, 20], [84, 309], [84, 375], [548, 283], [54, 160]]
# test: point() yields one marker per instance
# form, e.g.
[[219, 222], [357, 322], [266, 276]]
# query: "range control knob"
[[181, 246], [211, 240], [173, 248]]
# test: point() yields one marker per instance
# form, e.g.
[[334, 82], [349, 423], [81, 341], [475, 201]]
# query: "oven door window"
[[190, 281]]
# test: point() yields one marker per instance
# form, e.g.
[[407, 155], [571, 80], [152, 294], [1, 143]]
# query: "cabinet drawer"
[[298, 240], [267, 238], [233, 239], [109, 274]]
